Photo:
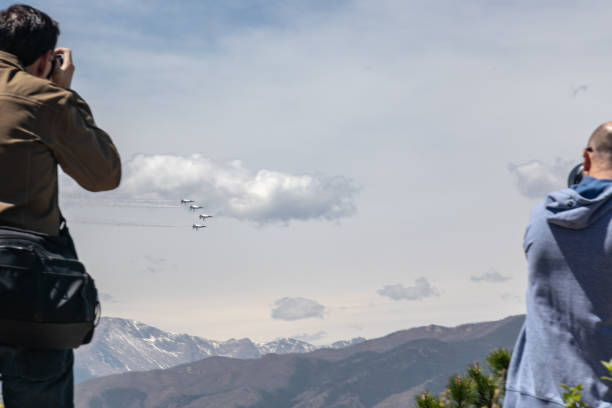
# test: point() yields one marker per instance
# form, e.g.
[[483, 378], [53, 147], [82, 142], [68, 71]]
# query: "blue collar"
[[591, 187]]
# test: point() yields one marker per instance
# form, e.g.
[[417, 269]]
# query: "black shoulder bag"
[[47, 299]]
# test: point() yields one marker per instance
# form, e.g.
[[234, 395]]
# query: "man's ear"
[[40, 67], [587, 163]]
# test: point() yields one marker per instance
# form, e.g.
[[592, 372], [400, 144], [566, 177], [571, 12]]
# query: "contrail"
[[123, 203], [125, 224]]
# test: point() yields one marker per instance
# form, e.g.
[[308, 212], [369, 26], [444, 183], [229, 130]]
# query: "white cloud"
[[296, 309], [311, 337], [535, 179], [491, 276], [230, 189], [422, 289]]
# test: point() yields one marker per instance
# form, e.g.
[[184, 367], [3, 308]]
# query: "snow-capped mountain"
[[121, 345], [285, 346]]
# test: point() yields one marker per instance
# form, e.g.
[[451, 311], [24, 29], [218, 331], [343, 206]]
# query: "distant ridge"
[[464, 332], [379, 373]]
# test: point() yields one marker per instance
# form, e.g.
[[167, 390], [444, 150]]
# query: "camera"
[[57, 60]]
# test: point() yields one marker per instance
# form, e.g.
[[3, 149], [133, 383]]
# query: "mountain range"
[[380, 373], [122, 345]]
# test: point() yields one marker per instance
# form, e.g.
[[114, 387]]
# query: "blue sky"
[[371, 165]]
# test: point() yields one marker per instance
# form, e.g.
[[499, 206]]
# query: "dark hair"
[[27, 33]]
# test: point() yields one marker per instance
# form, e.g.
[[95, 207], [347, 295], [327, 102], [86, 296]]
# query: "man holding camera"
[[43, 123], [568, 329]]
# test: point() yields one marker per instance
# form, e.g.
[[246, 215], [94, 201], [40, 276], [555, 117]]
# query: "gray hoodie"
[[568, 329]]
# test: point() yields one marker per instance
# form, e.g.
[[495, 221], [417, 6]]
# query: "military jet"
[[198, 226], [186, 201], [203, 217], [194, 207]]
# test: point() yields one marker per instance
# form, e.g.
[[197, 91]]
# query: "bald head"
[[601, 139], [598, 154]]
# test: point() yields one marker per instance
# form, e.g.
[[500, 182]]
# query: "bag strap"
[[64, 232], [62, 222]]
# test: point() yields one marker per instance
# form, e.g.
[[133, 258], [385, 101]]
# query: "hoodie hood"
[[571, 210]]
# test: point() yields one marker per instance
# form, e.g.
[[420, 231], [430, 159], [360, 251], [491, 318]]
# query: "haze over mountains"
[[381, 373], [122, 345]]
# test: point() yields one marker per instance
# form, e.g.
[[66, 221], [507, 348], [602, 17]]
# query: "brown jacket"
[[42, 125]]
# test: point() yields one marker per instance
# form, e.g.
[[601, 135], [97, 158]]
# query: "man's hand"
[[62, 74]]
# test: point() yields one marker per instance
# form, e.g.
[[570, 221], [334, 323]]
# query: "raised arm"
[[84, 151]]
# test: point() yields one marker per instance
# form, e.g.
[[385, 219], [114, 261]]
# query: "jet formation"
[[194, 207]]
